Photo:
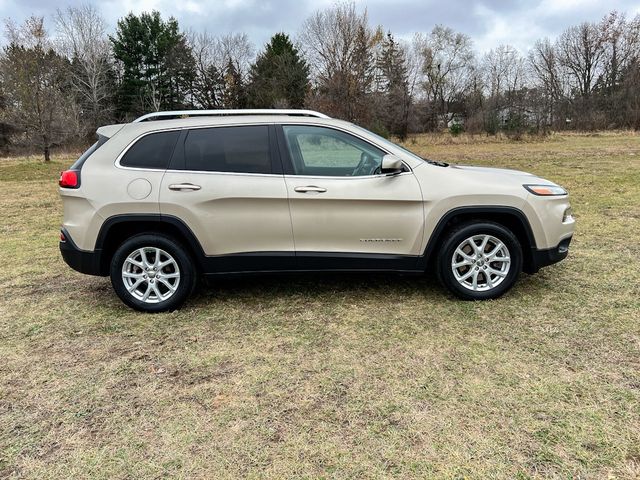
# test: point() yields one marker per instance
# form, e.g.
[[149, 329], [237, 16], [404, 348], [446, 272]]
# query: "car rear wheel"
[[479, 261], [152, 273]]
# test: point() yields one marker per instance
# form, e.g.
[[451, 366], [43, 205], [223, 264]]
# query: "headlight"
[[545, 190]]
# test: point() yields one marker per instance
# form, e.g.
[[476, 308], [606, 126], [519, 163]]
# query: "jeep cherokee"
[[171, 196]]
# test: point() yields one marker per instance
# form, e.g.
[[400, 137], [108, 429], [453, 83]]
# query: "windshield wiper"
[[435, 162]]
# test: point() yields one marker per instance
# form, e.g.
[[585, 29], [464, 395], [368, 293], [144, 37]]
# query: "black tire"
[[186, 270], [459, 234]]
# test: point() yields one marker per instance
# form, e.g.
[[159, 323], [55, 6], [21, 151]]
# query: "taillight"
[[69, 179]]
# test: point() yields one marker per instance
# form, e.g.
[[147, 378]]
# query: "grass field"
[[343, 377]]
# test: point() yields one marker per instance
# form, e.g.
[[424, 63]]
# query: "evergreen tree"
[[280, 76], [156, 64], [180, 74], [235, 95], [209, 88], [362, 77], [392, 64]]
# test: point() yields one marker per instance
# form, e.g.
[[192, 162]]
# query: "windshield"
[[408, 152], [389, 143]]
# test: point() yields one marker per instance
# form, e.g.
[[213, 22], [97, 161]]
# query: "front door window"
[[320, 151]]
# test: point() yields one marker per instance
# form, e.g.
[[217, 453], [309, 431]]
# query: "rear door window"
[[242, 149], [152, 151]]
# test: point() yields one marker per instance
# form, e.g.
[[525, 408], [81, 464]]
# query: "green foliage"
[[209, 87], [515, 125], [280, 76], [379, 128], [491, 123], [456, 129], [156, 64]]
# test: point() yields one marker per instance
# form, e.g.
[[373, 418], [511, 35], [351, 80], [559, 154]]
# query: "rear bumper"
[[80, 260], [549, 256]]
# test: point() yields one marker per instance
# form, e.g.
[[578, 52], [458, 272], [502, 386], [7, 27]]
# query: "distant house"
[[454, 119]]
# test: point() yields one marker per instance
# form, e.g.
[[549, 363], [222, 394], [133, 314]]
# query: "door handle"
[[310, 189], [184, 186]]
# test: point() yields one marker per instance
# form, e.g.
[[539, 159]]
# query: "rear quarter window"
[[77, 165], [152, 151]]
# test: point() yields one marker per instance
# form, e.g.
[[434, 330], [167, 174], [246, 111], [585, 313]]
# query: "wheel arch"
[[119, 228], [510, 217]]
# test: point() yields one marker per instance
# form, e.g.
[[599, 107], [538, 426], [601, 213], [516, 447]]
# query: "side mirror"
[[391, 165]]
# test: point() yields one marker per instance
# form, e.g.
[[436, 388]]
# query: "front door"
[[343, 210]]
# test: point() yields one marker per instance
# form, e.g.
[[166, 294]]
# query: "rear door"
[[346, 214], [226, 184]]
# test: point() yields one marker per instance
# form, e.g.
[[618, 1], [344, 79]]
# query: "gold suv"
[[158, 202]]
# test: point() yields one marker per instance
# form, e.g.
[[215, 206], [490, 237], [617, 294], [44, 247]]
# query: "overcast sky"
[[488, 22]]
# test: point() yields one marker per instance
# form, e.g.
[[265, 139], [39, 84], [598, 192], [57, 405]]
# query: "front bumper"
[[548, 256], [81, 261]]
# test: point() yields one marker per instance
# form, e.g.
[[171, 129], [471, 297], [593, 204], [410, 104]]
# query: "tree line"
[[55, 90]]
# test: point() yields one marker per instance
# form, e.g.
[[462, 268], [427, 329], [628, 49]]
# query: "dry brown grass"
[[332, 377], [502, 137]]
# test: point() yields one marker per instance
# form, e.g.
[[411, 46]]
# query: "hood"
[[491, 170], [517, 175]]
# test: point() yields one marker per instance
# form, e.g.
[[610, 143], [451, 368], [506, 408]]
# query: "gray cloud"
[[488, 22]]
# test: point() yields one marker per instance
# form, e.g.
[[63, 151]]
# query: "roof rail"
[[205, 113]]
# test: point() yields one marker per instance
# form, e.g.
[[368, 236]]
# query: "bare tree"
[[630, 92], [621, 49], [33, 76], [545, 68], [208, 86], [339, 45], [235, 47], [620, 43], [214, 56], [329, 38], [503, 70], [547, 78], [503, 75], [414, 51], [581, 53], [83, 40], [449, 63]]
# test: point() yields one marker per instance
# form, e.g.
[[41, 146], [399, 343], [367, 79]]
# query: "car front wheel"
[[479, 261], [152, 273]]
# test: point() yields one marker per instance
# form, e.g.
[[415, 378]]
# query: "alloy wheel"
[[150, 274], [481, 262]]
